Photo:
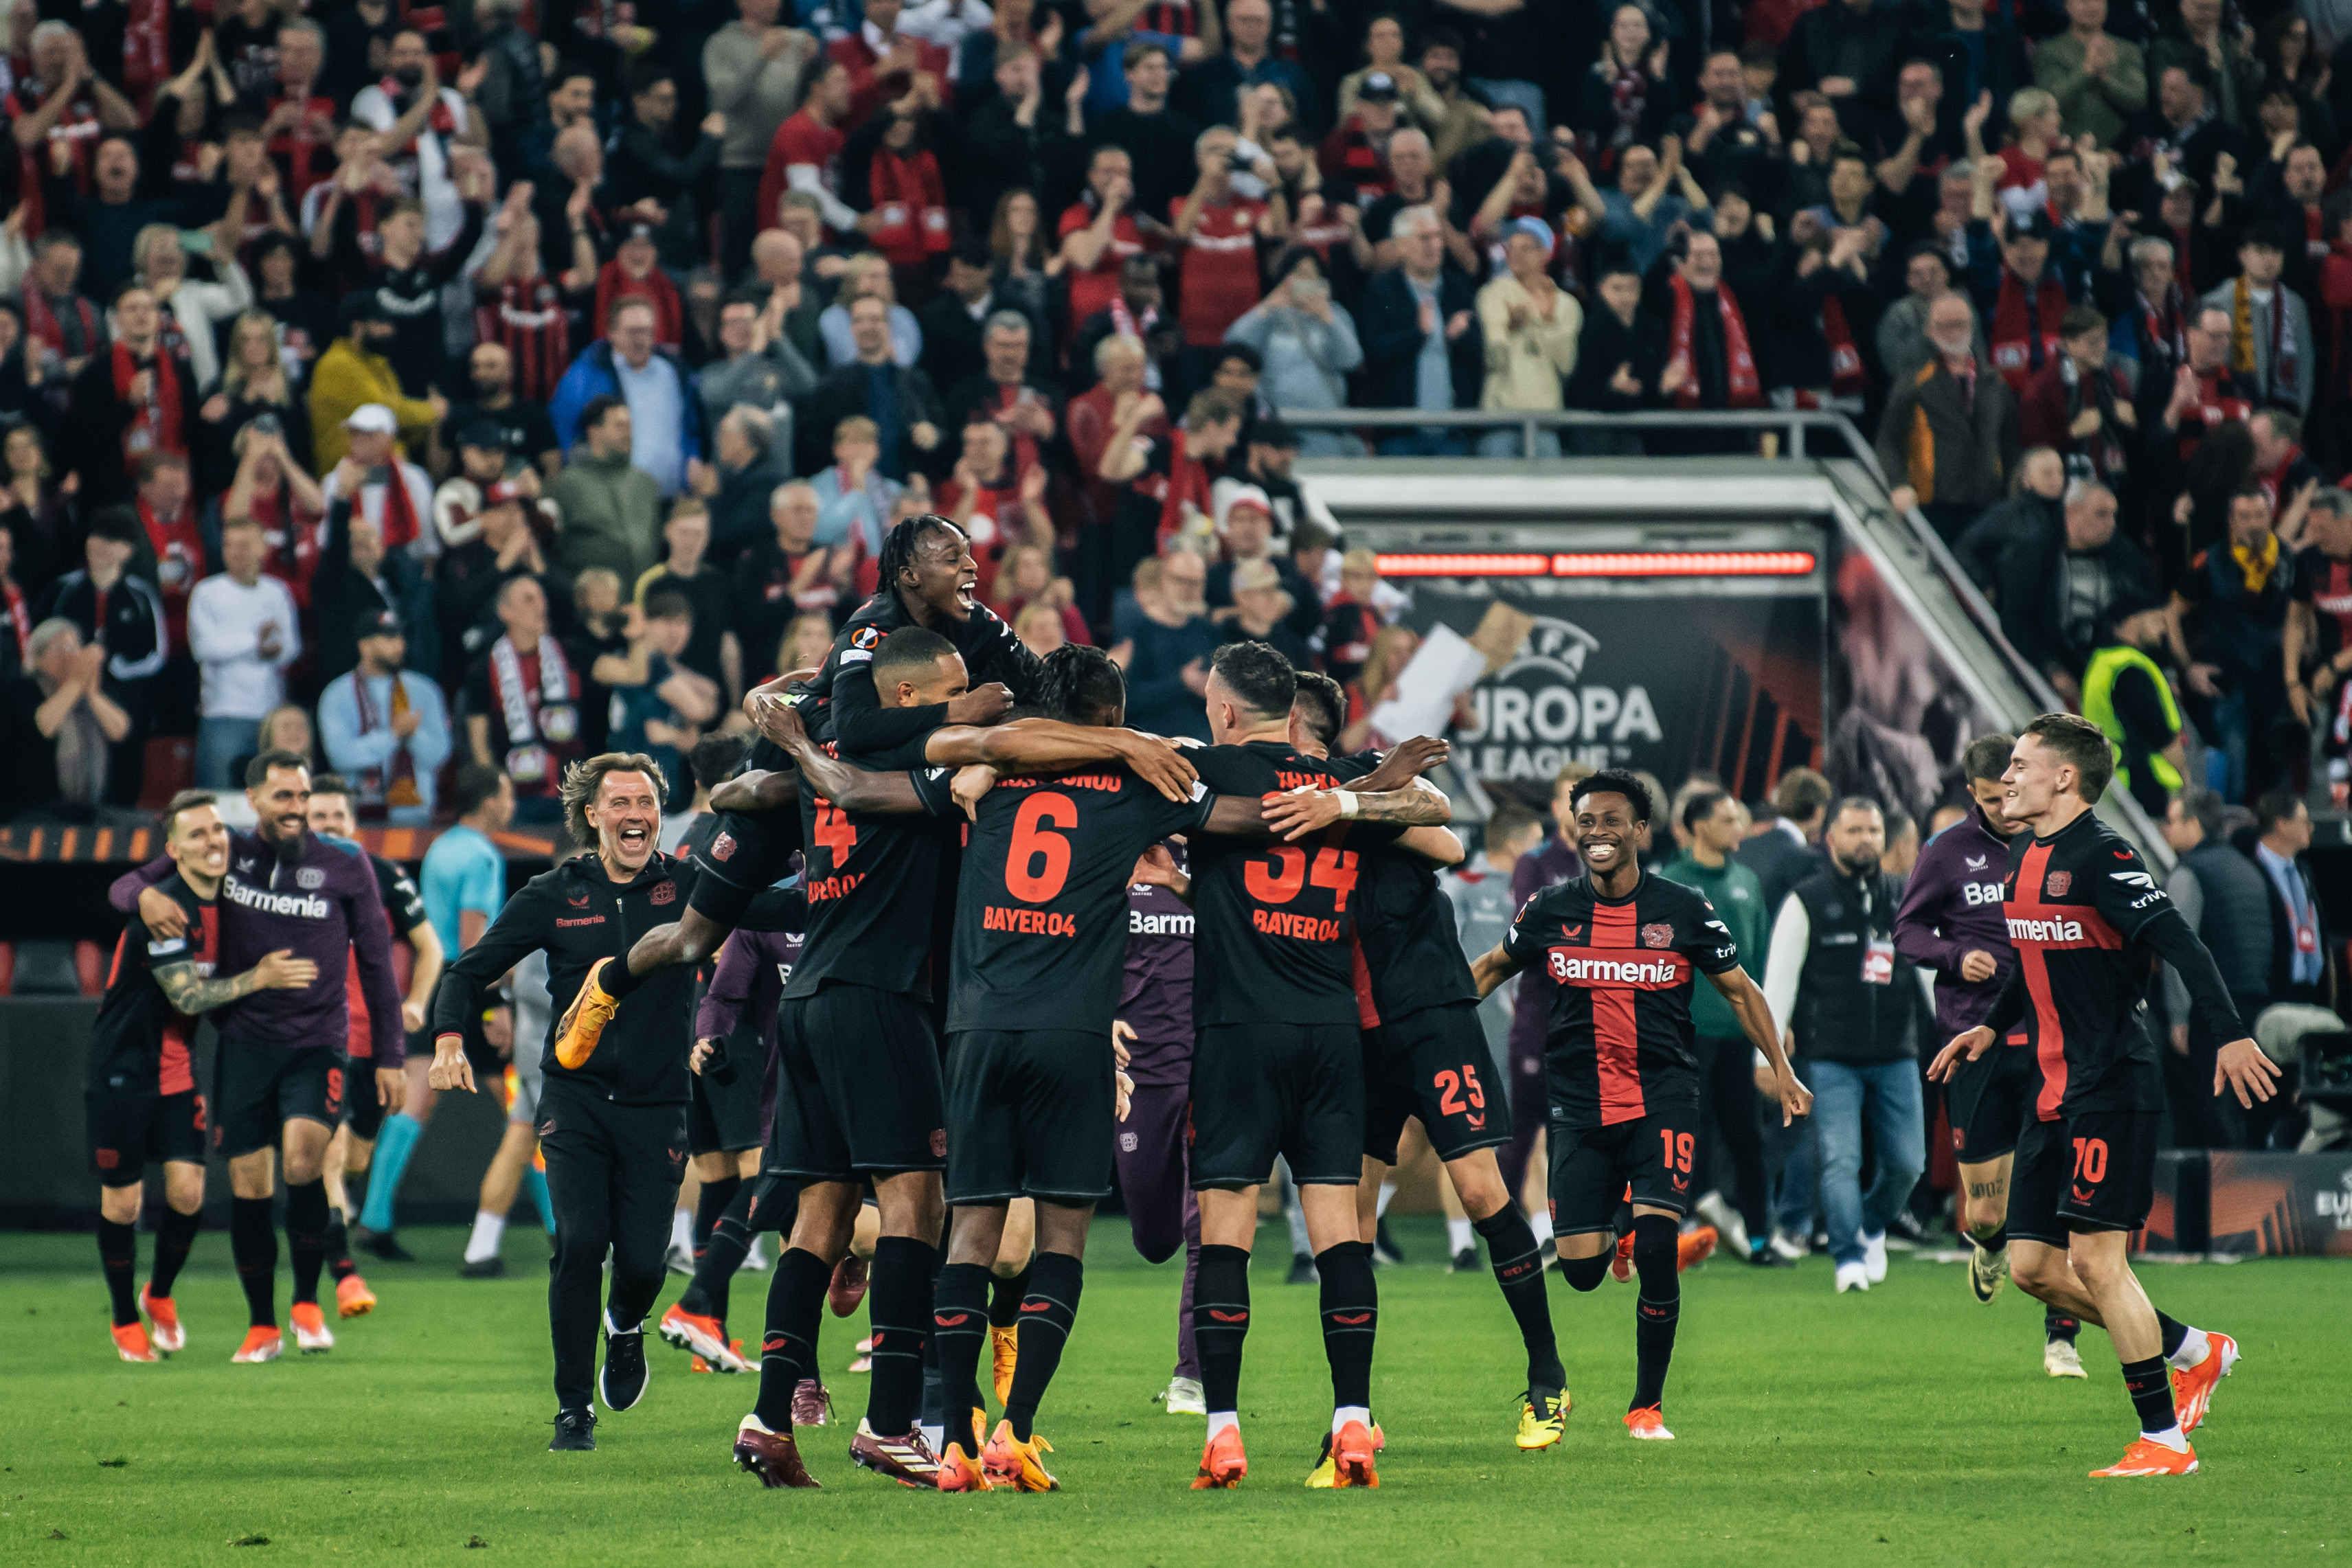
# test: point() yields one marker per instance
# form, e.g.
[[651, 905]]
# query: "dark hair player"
[[1622, 949], [929, 576]]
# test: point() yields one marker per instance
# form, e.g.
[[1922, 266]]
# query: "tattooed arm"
[[191, 993]]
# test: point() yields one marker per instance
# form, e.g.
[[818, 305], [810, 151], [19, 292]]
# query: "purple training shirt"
[[746, 984], [321, 905], [1952, 907], [1155, 993]]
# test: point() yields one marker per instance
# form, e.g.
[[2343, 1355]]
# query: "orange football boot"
[[1223, 1463], [130, 1339], [2147, 1458], [1012, 1465], [1648, 1422], [959, 1471], [1352, 1450], [585, 1020], [163, 1321], [1694, 1248], [2192, 1387], [353, 1297], [1620, 1267], [260, 1345]]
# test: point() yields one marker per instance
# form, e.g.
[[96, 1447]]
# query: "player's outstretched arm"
[[1492, 968], [1157, 868], [1040, 745], [1755, 1015], [2238, 1066], [1405, 762], [761, 789], [191, 993], [1415, 804]]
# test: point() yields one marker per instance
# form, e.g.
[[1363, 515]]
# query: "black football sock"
[[1517, 1260], [1586, 1273], [788, 1348], [118, 1255], [306, 1236], [1993, 1240], [1351, 1318], [2150, 1384], [899, 1310], [719, 1255], [615, 979], [2058, 1326], [1006, 1295], [339, 1266], [707, 1209], [959, 1336], [933, 1413], [174, 1238], [253, 1242], [1661, 1305], [1221, 1314], [2174, 1332], [1047, 1310]]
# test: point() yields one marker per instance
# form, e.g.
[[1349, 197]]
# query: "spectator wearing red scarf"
[[60, 104], [137, 396], [1355, 157], [2080, 405], [890, 173]]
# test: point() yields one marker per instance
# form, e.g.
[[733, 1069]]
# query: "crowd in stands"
[[485, 382]]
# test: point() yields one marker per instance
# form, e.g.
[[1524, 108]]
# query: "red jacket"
[[867, 90]]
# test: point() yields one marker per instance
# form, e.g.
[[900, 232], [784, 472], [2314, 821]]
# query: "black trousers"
[[1727, 1098], [613, 1173]]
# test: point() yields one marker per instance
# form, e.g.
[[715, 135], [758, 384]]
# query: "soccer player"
[[613, 1123], [1278, 1066], [464, 882], [859, 1093], [1951, 921], [143, 1100], [928, 577], [1423, 1048], [279, 1086], [332, 818], [1622, 950], [2087, 922]]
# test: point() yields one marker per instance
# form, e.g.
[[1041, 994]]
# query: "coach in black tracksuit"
[[614, 1126]]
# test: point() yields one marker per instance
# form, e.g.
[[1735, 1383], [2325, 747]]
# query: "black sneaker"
[[384, 1244], [1385, 1247], [1302, 1270], [491, 1268], [576, 1432], [1465, 1262], [622, 1381], [1761, 1255]]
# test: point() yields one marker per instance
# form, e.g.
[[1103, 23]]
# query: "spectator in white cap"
[[1531, 326], [1247, 526], [401, 512]]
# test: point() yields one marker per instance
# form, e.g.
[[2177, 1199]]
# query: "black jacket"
[[2282, 988], [1605, 344], [579, 915], [1857, 1001], [1388, 325], [843, 393]]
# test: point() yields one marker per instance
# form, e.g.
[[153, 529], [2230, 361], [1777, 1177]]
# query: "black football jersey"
[[1041, 929], [1272, 944], [874, 879], [404, 906], [2077, 903], [1618, 1034], [1408, 951], [140, 1039]]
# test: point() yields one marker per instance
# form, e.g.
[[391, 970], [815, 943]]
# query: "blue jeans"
[[1889, 1093], [1512, 444], [219, 743]]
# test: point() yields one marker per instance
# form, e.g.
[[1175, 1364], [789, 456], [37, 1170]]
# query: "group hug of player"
[[969, 821]]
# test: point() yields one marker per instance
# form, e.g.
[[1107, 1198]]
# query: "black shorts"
[[750, 851], [1990, 1100], [1593, 1167], [132, 1127], [1030, 1115], [1264, 1089], [2092, 1171], [857, 1086], [363, 1109], [260, 1088], [722, 1118], [1428, 1064]]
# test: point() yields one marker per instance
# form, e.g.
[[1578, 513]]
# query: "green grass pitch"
[[1909, 1426]]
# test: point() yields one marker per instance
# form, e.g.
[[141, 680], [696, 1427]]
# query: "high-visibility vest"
[[2099, 706]]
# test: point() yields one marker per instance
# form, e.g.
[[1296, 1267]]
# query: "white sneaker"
[[1186, 1397], [2061, 1359], [1789, 1247], [1873, 1255], [1726, 1223], [679, 1260], [755, 1259], [1852, 1276]]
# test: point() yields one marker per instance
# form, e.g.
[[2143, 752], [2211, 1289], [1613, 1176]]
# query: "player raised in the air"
[[2088, 922], [1623, 950]]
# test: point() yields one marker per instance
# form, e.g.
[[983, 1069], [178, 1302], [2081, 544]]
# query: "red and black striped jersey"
[[1619, 1033], [2079, 906], [141, 1040]]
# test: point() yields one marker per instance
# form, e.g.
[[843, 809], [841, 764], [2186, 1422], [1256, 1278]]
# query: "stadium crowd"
[[485, 382]]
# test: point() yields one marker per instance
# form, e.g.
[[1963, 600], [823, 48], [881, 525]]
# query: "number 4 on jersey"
[[1285, 871], [836, 831]]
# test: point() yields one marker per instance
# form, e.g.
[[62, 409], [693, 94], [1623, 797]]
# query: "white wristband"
[[1347, 805]]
